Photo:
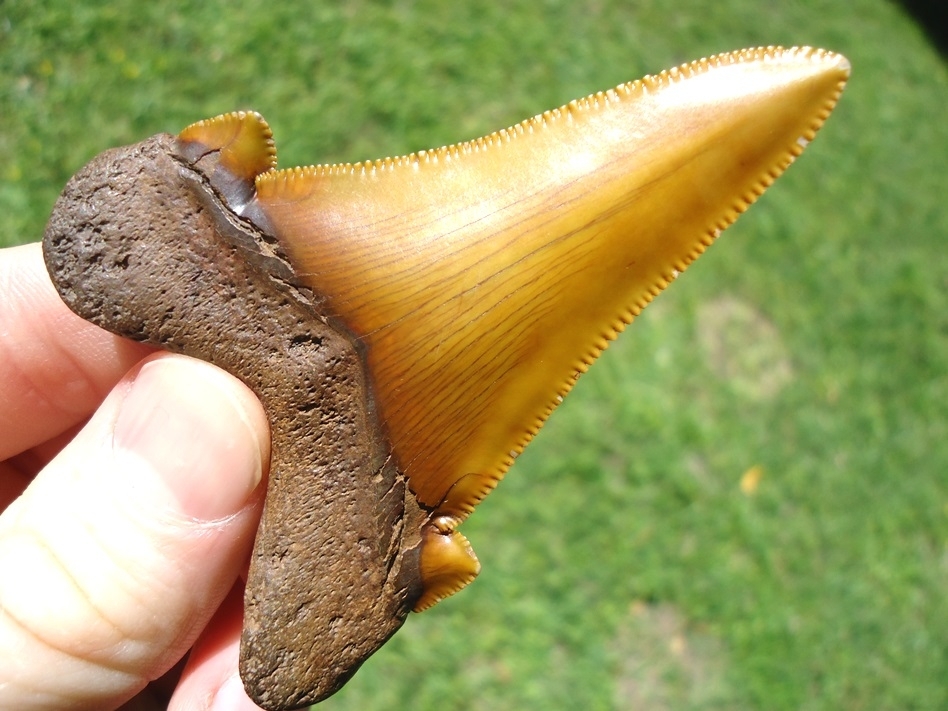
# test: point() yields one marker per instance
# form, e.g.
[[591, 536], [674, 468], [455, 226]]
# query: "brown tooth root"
[[410, 323], [334, 569]]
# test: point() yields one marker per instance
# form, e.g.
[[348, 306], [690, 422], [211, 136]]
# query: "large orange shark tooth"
[[410, 323], [485, 277]]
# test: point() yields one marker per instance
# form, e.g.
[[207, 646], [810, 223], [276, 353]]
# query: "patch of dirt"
[[743, 347], [666, 665]]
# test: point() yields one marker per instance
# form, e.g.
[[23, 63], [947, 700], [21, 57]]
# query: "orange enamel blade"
[[484, 277]]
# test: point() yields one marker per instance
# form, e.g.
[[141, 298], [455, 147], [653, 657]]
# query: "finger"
[[210, 681], [156, 695], [55, 368], [17, 472], [118, 553], [13, 481]]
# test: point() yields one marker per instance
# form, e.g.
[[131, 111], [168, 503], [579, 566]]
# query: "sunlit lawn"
[[744, 504]]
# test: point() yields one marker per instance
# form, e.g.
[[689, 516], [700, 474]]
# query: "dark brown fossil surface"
[[141, 245]]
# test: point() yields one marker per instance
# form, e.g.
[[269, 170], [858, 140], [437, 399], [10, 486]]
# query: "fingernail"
[[196, 430]]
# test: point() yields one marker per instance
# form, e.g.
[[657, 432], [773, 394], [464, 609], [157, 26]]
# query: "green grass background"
[[624, 566]]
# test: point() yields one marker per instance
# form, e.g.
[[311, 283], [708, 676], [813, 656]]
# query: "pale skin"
[[131, 483]]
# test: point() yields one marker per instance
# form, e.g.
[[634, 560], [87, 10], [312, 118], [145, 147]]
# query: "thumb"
[[118, 553]]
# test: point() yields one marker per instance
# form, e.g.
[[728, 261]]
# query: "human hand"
[[130, 493]]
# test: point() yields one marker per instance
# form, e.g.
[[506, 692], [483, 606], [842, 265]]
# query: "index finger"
[[55, 368]]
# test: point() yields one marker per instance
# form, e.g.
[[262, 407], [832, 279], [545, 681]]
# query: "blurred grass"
[[625, 564]]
